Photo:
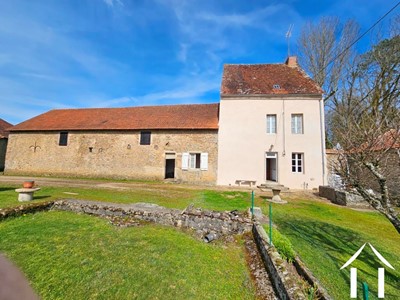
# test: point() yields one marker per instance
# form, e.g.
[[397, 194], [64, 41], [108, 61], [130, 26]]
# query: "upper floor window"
[[145, 137], [271, 123], [63, 141], [297, 123], [297, 163]]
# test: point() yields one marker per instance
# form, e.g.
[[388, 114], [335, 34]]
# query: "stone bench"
[[246, 182], [26, 194]]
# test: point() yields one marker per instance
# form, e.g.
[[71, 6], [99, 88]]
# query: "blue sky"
[[115, 53]]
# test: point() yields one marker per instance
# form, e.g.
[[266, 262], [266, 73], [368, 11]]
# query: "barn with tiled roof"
[[267, 127]]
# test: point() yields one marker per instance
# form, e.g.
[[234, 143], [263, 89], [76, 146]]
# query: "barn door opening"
[[169, 165]]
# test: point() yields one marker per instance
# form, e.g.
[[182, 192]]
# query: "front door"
[[170, 168], [271, 166]]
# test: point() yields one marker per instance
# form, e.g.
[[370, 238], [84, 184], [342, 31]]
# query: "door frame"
[[271, 156], [169, 156]]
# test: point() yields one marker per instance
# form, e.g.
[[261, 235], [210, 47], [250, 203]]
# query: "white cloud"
[[111, 3]]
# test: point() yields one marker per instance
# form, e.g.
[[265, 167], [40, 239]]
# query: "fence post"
[[252, 203], [270, 223], [365, 291]]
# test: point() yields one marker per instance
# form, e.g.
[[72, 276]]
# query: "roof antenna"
[[288, 35]]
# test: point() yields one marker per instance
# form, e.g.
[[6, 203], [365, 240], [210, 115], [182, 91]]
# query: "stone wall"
[[114, 154], [3, 149], [202, 221], [286, 286], [342, 197], [20, 210]]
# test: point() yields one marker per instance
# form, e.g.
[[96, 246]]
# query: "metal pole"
[[252, 204], [270, 223], [365, 291]]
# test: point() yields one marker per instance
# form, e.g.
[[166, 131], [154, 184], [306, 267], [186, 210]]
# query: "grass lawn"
[[165, 195], [326, 236], [71, 256]]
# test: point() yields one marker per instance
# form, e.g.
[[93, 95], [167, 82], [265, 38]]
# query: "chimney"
[[291, 61]]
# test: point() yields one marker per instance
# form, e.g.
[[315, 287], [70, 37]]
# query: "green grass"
[[70, 256], [282, 244], [168, 196], [326, 236]]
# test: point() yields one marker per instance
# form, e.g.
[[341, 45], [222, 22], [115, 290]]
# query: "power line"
[[359, 38]]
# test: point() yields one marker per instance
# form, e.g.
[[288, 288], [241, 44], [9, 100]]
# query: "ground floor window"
[[297, 162], [195, 161]]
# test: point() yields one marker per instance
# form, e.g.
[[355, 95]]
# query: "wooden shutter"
[[204, 161], [185, 161]]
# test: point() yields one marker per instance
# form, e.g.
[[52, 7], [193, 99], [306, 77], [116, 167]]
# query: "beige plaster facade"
[[247, 152], [115, 154]]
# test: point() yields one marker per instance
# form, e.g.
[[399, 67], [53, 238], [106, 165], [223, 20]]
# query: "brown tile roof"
[[4, 127], [389, 140], [194, 116], [260, 80]]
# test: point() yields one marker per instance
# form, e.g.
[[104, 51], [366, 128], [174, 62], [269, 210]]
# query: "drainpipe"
[[322, 128], [283, 128]]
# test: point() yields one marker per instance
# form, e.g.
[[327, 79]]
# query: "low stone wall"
[[24, 209], [202, 221], [304, 272], [286, 286], [341, 197]]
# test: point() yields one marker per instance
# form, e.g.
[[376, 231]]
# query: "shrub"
[[282, 244]]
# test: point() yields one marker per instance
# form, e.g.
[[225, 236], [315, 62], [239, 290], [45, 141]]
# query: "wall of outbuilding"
[[3, 149], [114, 154]]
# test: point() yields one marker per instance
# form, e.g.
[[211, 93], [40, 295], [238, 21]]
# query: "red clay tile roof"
[[195, 116], [260, 80], [389, 140], [4, 127]]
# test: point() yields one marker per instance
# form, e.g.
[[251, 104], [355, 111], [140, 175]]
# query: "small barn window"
[[63, 141], [276, 87], [145, 137]]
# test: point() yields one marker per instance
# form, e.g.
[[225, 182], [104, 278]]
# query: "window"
[[297, 163], [195, 161], [63, 141], [271, 123], [297, 123], [145, 137]]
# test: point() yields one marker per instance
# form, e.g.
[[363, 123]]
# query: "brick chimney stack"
[[291, 61]]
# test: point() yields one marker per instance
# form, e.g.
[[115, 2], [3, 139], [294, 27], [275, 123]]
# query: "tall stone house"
[[271, 126], [4, 126], [268, 126]]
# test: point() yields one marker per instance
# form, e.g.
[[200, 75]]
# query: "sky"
[[117, 53]]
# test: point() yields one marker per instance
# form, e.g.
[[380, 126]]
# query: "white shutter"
[[185, 161], [204, 161]]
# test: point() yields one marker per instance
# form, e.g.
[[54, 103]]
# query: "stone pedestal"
[[25, 194], [276, 195]]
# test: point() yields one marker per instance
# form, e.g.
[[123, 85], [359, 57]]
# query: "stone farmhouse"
[[268, 126], [4, 126]]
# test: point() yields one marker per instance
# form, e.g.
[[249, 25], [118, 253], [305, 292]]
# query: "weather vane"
[[288, 35]]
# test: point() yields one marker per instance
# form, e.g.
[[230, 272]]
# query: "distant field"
[[170, 196]]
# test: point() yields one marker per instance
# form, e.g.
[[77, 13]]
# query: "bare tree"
[[363, 108], [326, 51], [367, 126]]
